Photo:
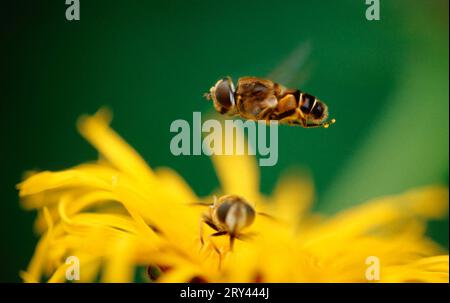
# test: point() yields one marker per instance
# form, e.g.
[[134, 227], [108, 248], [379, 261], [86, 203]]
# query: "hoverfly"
[[262, 99], [228, 215]]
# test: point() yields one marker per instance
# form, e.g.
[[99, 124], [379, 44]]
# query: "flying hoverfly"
[[262, 99]]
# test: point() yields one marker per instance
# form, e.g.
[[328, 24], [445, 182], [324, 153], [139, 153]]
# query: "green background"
[[386, 83]]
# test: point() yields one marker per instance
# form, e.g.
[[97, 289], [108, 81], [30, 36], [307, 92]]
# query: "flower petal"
[[238, 174], [112, 147], [292, 197], [119, 267]]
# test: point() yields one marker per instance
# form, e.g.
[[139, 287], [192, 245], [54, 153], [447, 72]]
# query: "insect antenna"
[[207, 96]]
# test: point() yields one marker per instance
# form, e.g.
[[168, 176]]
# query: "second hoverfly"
[[262, 99]]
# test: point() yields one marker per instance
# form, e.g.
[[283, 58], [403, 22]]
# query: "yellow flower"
[[118, 214]]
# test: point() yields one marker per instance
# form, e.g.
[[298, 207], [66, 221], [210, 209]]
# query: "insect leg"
[[266, 215], [283, 117], [324, 125], [207, 220], [328, 123], [204, 204], [201, 232], [232, 237], [200, 204], [265, 114], [246, 236], [219, 233], [219, 253], [210, 223], [216, 249]]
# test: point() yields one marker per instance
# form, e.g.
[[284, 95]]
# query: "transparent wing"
[[294, 68]]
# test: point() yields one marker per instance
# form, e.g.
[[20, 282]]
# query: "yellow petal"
[[238, 174], [429, 270], [383, 213], [112, 147], [119, 267], [177, 185], [292, 198], [38, 260]]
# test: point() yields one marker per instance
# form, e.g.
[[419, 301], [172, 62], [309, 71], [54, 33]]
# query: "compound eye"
[[224, 93], [250, 214], [318, 110], [307, 103], [222, 211]]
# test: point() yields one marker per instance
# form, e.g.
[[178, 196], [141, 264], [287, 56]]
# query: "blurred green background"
[[386, 83]]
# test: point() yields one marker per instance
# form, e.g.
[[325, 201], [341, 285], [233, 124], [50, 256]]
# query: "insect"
[[262, 99], [228, 215]]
